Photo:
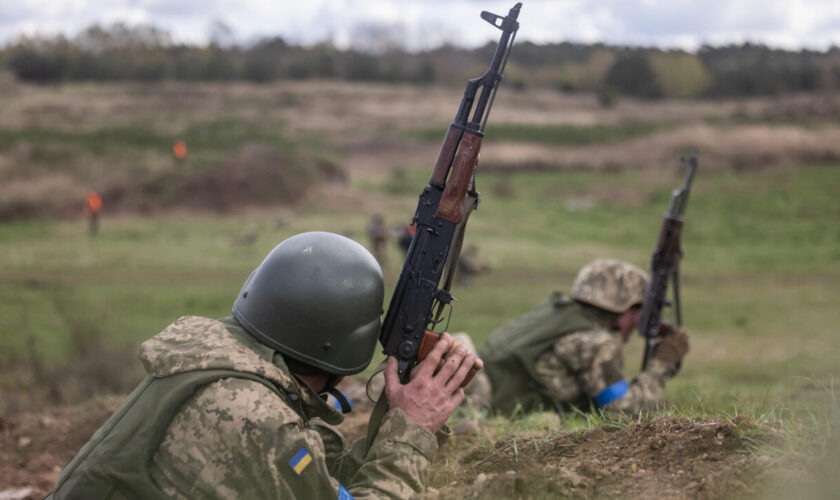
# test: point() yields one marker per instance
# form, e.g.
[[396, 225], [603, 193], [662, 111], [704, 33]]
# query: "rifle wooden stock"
[[430, 339], [451, 206], [447, 152]]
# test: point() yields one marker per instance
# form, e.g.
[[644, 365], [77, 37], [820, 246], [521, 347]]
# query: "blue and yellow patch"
[[300, 460]]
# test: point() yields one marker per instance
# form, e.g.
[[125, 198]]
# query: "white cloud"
[[424, 24]]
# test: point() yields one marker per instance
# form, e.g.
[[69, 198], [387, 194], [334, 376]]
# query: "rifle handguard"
[[446, 155], [451, 203], [430, 339]]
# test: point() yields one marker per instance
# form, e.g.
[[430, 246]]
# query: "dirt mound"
[[255, 175], [660, 458], [35, 446]]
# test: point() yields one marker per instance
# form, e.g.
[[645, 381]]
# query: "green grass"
[[554, 134], [761, 270]]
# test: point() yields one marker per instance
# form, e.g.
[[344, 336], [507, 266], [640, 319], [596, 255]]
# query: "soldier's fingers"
[[427, 367], [460, 375], [457, 398], [452, 346], [453, 361]]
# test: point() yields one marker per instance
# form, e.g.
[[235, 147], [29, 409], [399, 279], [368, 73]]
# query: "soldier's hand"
[[673, 347], [432, 394]]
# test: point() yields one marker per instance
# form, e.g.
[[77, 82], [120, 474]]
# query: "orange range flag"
[[94, 203], [179, 150]]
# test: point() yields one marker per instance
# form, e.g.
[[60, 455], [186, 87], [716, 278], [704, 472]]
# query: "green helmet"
[[316, 297], [610, 284]]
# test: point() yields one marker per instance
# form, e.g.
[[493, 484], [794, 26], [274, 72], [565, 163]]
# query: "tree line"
[[145, 53]]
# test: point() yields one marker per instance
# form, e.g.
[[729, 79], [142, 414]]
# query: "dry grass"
[[743, 147], [370, 126]]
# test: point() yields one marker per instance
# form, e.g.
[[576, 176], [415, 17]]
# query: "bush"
[[680, 74], [632, 74]]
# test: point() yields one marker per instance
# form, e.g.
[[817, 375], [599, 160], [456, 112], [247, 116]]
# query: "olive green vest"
[[510, 353], [115, 462]]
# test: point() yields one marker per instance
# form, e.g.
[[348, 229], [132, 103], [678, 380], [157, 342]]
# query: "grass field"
[[760, 274]]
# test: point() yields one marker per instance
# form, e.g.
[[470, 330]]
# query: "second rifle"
[[665, 266]]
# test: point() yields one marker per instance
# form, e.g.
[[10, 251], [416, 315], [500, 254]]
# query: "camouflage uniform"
[[583, 364], [563, 354], [262, 435]]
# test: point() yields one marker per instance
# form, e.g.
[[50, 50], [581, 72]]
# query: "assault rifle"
[[665, 266], [417, 305]]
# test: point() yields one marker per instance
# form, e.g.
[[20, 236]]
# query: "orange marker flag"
[[179, 150], [94, 203]]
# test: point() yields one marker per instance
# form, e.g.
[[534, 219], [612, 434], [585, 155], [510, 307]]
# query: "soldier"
[[378, 236], [567, 351], [404, 236], [236, 408], [469, 266], [93, 205]]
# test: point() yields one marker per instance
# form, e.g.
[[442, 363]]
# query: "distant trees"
[[39, 64], [757, 70], [632, 74], [680, 74], [146, 53]]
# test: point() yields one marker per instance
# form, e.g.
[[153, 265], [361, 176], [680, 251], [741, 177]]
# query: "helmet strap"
[[329, 388], [346, 407]]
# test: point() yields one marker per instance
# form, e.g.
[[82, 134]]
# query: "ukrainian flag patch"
[[300, 460]]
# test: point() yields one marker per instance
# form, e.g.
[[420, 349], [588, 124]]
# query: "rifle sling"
[[675, 279], [470, 203]]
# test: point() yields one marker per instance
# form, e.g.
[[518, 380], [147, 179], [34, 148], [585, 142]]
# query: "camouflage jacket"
[[588, 365], [253, 432], [560, 355], [236, 438]]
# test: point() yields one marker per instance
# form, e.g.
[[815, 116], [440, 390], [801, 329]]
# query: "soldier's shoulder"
[[234, 418], [242, 403], [593, 338]]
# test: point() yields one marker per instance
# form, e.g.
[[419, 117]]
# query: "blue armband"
[[611, 393], [343, 494]]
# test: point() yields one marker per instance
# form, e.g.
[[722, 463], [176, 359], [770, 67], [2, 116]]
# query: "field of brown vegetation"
[[63, 140]]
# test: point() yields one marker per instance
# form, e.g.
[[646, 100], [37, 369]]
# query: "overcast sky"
[[423, 24]]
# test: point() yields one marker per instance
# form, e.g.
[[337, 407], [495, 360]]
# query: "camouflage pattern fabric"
[[562, 354], [236, 438], [610, 284], [582, 364]]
